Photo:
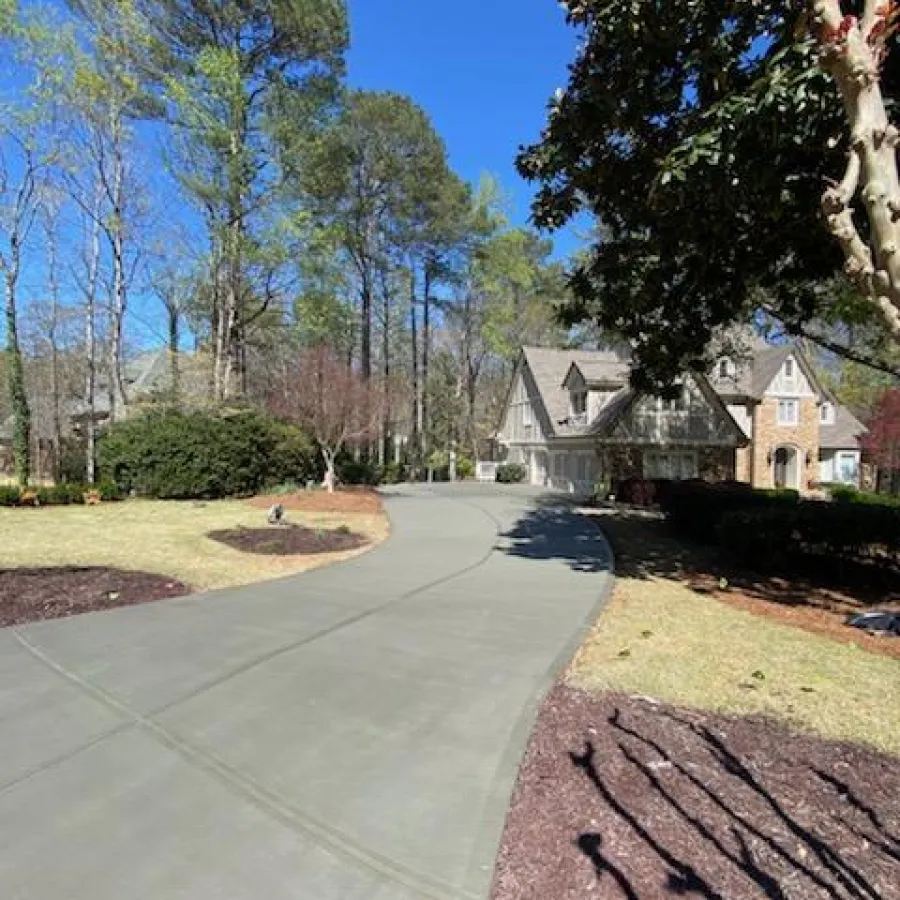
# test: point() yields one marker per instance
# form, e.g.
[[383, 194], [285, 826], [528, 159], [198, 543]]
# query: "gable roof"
[[549, 369], [845, 433], [752, 376]]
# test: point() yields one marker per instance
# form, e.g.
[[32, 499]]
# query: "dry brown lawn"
[[662, 638], [168, 538]]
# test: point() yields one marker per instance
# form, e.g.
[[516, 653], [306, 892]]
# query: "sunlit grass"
[[659, 638], [165, 537]]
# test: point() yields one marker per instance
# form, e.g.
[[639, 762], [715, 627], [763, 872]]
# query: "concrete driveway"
[[349, 733]]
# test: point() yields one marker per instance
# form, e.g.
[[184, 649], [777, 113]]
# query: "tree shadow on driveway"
[[553, 530]]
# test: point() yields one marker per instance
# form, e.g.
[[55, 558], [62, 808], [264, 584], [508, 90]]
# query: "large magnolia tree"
[[702, 135]]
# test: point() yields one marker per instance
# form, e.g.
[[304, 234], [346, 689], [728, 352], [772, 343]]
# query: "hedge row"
[[845, 493], [842, 531], [63, 494], [774, 529], [696, 508], [175, 455]]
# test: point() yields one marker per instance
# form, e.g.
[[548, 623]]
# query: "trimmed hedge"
[[774, 537], [9, 496], [511, 473], [695, 509], [845, 493], [174, 455]]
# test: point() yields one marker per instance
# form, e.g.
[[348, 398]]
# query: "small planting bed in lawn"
[[289, 540], [33, 594]]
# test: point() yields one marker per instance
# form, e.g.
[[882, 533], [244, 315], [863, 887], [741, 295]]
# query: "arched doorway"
[[787, 467]]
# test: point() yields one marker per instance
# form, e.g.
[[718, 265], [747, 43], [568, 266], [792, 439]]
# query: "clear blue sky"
[[482, 69]]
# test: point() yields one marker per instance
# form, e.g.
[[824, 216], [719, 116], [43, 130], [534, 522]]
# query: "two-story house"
[[573, 420]]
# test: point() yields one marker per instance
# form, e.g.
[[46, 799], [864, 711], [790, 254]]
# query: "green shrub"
[[394, 473], [774, 537], [511, 473], [174, 455], [109, 491], [62, 494], [465, 468], [9, 495], [356, 471], [846, 493], [293, 458], [694, 509]]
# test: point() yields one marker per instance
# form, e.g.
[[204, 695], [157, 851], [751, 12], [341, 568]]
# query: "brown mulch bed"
[[288, 540], [365, 501], [31, 595], [621, 797], [645, 548]]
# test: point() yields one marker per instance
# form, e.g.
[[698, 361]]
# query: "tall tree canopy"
[[701, 135]]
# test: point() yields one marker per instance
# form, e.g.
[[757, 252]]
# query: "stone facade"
[[743, 464], [769, 435]]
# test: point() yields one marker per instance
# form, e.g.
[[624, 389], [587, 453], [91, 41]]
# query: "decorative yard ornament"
[[852, 50], [276, 514]]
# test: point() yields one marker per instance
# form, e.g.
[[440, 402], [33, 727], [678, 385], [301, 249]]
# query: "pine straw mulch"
[[289, 540], [624, 797], [644, 548], [34, 594], [365, 501]]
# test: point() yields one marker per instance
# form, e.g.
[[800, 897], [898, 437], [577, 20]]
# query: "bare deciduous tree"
[[336, 404]]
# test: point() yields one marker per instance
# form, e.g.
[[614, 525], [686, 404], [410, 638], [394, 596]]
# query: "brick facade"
[[768, 435]]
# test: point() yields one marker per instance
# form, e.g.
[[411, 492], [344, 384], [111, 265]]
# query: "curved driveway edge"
[[353, 732]]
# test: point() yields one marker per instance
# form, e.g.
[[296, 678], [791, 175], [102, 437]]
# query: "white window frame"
[[789, 369], [787, 403], [826, 414], [527, 415], [724, 368], [839, 459], [583, 398]]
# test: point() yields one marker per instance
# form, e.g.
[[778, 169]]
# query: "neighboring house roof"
[[844, 434]]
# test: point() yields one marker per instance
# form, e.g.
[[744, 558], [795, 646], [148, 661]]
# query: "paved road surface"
[[348, 734]]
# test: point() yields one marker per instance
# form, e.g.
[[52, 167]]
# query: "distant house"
[[147, 377], [572, 419]]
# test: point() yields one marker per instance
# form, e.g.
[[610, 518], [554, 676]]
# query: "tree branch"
[[848, 353]]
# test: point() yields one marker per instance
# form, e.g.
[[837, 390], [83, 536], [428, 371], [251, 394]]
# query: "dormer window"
[[826, 414], [789, 368], [579, 403]]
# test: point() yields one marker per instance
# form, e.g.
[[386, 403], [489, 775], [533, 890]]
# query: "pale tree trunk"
[[120, 285], [386, 369], [328, 455], [415, 417], [852, 51], [90, 341], [424, 404], [52, 338]]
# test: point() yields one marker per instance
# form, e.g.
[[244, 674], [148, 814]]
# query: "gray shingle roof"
[[751, 378], [844, 434], [549, 369]]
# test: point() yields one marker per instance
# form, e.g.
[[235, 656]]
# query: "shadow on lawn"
[[702, 814], [554, 531]]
